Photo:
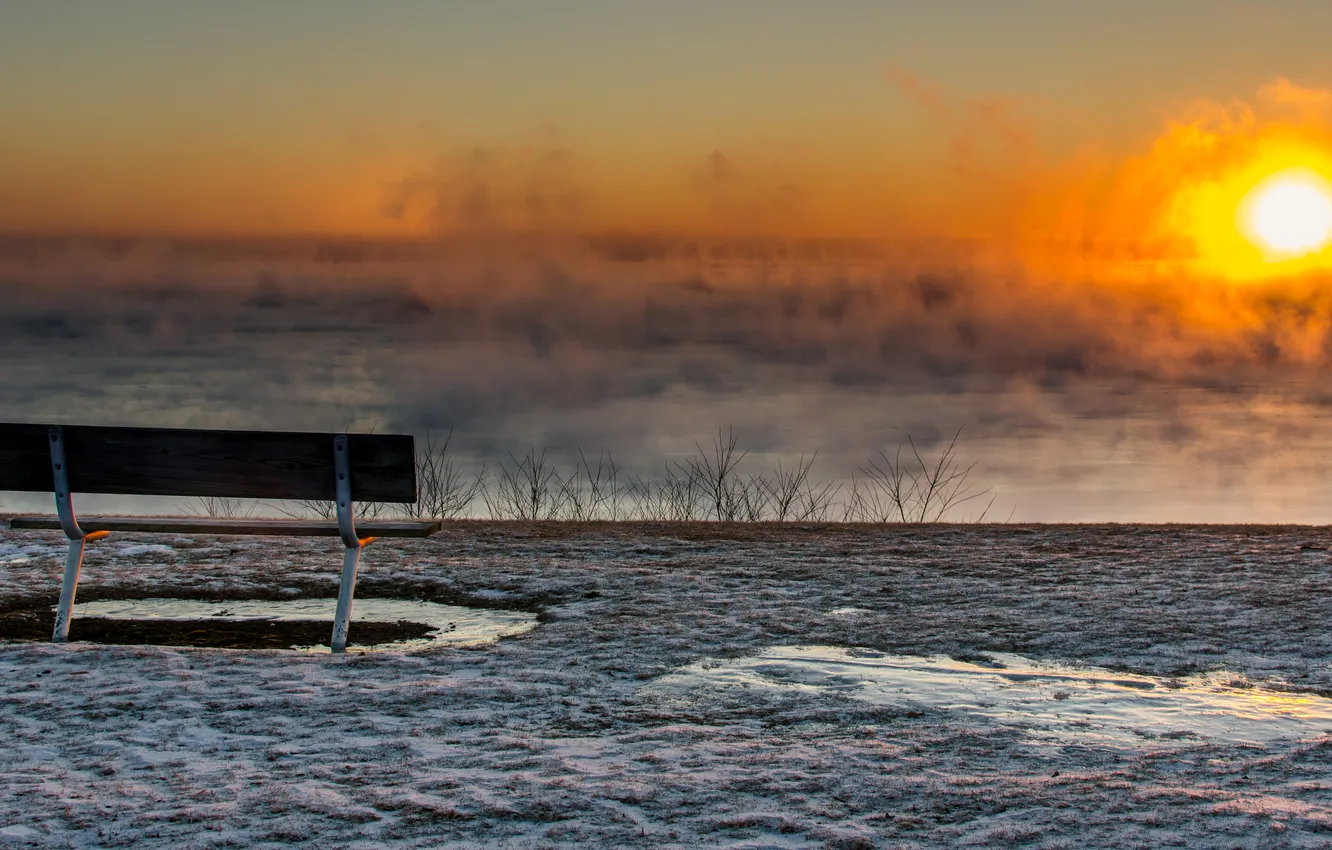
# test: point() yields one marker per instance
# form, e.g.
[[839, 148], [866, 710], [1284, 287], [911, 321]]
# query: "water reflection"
[[1057, 703], [454, 625]]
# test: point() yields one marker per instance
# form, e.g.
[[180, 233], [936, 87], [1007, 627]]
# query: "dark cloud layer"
[[577, 344]]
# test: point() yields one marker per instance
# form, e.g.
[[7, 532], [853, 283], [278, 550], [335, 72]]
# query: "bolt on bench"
[[218, 464]]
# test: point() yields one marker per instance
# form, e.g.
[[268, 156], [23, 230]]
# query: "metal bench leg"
[[351, 561], [69, 585], [77, 537]]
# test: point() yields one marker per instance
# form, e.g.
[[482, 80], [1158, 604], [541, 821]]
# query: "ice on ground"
[[11, 554], [492, 593], [850, 611], [18, 833], [1058, 703], [454, 625], [136, 549]]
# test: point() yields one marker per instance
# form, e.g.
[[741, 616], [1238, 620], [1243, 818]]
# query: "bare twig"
[[714, 476], [443, 490], [643, 501], [815, 502], [527, 490], [752, 498], [677, 495], [943, 487], [589, 494], [926, 492], [795, 497], [212, 506]]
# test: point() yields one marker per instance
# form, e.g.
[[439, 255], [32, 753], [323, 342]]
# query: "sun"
[[1289, 214]]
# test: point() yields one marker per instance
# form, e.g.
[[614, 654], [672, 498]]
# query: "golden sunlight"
[[1266, 213], [1289, 214]]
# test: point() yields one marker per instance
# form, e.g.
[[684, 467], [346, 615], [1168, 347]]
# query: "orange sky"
[[1082, 137]]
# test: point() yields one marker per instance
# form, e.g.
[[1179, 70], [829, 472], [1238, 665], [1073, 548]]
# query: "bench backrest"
[[223, 464]]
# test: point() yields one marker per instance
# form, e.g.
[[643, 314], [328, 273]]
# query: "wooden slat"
[[207, 525], [25, 460], [227, 464]]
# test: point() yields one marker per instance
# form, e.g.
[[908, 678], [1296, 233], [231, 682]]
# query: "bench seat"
[[209, 525]]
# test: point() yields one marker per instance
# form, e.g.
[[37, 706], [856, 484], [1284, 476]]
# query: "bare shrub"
[[675, 497], [815, 502], [866, 502], [307, 508], [681, 492], [644, 502], [589, 494], [528, 489], [903, 487], [443, 490], [751, 498], [910, 489], [320, 509], [794, 497], [709, 486], [723, 495], [219, 508]]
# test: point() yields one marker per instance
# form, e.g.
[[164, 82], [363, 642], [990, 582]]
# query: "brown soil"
[[35, 624]]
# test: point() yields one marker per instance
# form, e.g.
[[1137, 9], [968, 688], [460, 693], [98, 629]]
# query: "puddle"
[[1056, 703], [454, 625]]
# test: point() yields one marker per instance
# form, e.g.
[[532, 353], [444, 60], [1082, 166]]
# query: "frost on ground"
[[634, 714]]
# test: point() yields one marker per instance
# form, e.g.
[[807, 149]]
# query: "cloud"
[[1172, 206], [923, 93], [736, 192], [493, 189], [1282, 92], [530, 342], [992, 127], [576, 327], [1168, 207]]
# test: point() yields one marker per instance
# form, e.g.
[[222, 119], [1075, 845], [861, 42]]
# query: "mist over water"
[[1080, 401]]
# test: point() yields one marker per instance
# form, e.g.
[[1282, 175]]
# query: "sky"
[[838, 118], [1097, 236]]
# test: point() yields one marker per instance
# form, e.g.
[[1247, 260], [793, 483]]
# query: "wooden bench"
[[336, 468]]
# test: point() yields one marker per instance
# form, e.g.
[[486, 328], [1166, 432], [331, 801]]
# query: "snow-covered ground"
[[701, 685]]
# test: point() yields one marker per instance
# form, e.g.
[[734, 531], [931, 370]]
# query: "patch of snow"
[[851, 611], [492, 593], [19, 834], [32, 753], [1058, 703], [136, 549]]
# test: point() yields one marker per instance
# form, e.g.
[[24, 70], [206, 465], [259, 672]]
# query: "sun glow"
[[1289, 214], [1266, 213]]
